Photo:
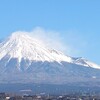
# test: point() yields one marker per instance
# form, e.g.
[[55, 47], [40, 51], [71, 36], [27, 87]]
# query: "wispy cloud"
[[71, 42], [52, 39]]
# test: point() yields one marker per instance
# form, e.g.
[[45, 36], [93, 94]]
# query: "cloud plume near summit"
[[69, 43], [51, 39]]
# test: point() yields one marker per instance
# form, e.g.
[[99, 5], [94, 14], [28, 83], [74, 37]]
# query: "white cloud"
[[52, 39]]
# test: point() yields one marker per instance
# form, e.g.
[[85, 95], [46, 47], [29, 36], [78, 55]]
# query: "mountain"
[[24, 59]]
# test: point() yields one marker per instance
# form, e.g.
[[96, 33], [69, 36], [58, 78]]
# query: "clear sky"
[[77, 22]]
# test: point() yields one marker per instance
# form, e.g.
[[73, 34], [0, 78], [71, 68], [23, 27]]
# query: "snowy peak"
[[19, 45], [17, 35], [21, 37]]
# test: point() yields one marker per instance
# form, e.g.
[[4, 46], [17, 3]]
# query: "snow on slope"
[[19, 45], [84, 62]]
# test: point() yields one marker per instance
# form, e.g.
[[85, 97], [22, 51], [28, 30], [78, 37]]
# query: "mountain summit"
[[25, 59], [21, 46]]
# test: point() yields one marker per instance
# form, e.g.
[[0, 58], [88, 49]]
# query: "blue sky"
[[76, 21]]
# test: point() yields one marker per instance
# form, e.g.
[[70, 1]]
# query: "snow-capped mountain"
[[20, 45], [25, 59]]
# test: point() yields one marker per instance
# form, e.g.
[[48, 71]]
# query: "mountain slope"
[[23, 46], [24, 59]]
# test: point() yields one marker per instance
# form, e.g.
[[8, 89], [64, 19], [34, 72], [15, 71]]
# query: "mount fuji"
[[24, 59]]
